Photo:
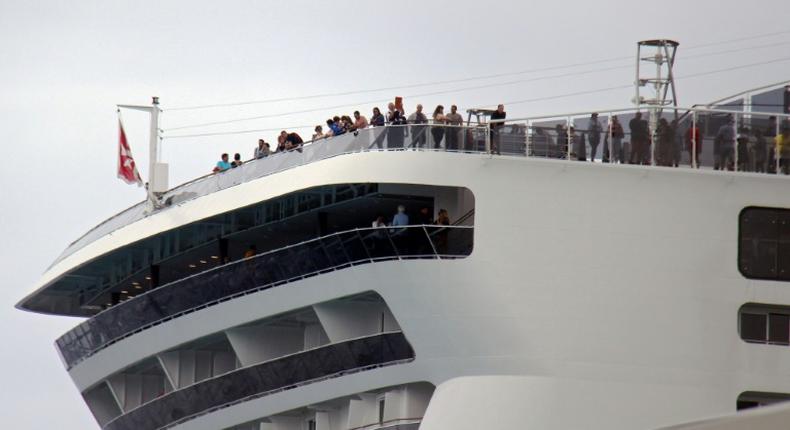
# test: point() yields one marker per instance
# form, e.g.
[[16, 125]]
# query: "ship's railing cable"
[[481, 77], [511, 102]]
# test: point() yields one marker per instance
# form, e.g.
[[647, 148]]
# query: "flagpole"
[[153, 156], [157, 172]]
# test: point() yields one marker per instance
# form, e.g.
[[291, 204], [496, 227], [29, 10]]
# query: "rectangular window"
[[779, 328], [764, 243], [753, 327], [381, 411]]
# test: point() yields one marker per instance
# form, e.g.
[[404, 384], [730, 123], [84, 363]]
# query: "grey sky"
[[65, 64]]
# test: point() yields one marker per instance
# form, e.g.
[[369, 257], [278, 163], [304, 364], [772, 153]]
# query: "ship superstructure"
[[560, 294]]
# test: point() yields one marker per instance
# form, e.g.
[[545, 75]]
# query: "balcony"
[[271, 269], [259, 380]]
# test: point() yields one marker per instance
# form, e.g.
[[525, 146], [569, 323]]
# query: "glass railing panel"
[[261, 379], [257, 273]]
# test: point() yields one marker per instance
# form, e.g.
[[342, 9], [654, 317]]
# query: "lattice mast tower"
[[655, 79]]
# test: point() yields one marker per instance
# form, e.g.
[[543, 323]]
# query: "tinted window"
[[764, 243], [779, 328], [753, 327]]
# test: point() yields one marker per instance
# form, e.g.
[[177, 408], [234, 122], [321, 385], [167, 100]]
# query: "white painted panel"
[[286, 423], [314, 336], [224, 361], [102, 404], [134, 392], [394, 405], [348, 320], [203, 363], [416, 399], [322, 421], [255, 344], [363, 411], [186, 368]]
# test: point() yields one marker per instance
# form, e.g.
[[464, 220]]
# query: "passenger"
[[694, 143], [442, 218], [334, 128], [251, 251], [222, 164], [724, 146], [400, 218], [665, 141], [744, 148], [263, 149], [455, 121], [439, 120], [760, 152], [360, 121], [379, 222], [319, 133], [562, 140], [615, 130], [677, 144], [595, 129], [347, 124], [424, 217], [281, 141], [579, 145], [377, 120], [783, 149], [236, 161], [496, 127], [418, 132], [440, 237], [293, 141], [640, 140], [770, 135], [391, 112], [396, 132]]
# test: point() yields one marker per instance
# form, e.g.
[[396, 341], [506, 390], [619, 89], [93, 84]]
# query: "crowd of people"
[[342, 124], [755, 149]]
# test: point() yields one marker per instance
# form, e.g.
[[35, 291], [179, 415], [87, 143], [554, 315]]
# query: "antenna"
[[659, 55]]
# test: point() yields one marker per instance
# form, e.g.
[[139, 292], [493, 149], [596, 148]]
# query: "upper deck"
[[538, 137]]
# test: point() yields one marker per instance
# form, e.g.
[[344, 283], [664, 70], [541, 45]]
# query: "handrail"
[[276, 267], [388, 423]]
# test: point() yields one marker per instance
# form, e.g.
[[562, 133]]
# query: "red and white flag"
[[127, 170]]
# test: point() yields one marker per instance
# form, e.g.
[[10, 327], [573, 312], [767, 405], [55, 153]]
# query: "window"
[[381, 410], [761, 323], [311, 425], [764, 243]]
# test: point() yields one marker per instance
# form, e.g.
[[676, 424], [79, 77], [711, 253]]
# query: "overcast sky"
[[64, 65]]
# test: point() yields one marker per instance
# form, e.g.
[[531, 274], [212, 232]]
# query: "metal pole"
[[694, 160], [568, 136], [735, 149], [153, 146], [526, 136]]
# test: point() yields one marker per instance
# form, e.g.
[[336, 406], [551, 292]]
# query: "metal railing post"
[[736, 167], [526, 143], [568, 136], [488, 137], [694, 160]]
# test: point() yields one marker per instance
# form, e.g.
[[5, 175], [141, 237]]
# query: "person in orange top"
[[694, 141]]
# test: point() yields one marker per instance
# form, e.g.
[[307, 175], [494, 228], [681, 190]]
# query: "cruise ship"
[[557, 294]]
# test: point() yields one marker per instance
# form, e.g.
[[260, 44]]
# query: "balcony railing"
[[321, 255], [267, 378]]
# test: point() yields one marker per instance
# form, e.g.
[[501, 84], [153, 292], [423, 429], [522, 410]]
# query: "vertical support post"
[[694, 143], [488, 138], [568, 122], [527, 137], [735, 149], [153, 149], [637, 82]]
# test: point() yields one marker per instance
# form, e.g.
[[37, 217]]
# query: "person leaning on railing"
[[497, 123], [222, 164], [418, 131], [454, 120], [263, 149], [438, 131]]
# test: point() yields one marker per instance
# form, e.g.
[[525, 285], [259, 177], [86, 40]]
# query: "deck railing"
[[664, 145], [277, 267]]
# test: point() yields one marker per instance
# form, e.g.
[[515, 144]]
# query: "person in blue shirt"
[[334, 127], [400, 218], [222, 165]]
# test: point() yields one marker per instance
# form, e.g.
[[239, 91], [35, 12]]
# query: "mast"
[[157, 172]]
